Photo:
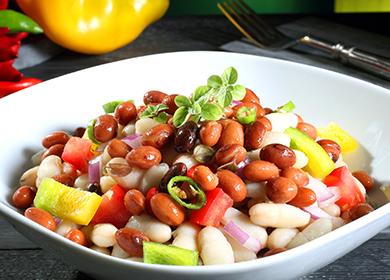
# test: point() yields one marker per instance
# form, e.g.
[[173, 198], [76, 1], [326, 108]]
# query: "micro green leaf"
[[153, 110], [229, 76], [238, 92], [228, 99], [181, 116], [214, 81], [200, 92], [211, 112], [182, 100], [161, 117], [111, 106]]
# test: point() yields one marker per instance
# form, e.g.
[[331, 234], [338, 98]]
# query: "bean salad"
[[213, 178]]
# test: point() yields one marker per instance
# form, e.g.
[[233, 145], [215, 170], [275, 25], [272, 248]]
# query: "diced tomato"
[[112, 209], [190, 172], [78, 152], [217, 202], [350, 193], [151, 192]]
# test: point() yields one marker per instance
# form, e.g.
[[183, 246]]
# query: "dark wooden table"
[[21, 259]]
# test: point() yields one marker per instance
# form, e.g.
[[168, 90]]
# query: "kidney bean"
[[105, 128], [158, 136], [134, 201], [305, 197], [254, 135], [210, 132], [57, 137], [66, 179], [23, 197], [185, 137], [250, 96], [357, 211], [41, 217], [232, 133], [282, 156], [177, 169], [259, 110], [268, 110], [231, 184], [331, 148], [77, 236], [260, 170], [169, 100], [118, 148], [79, 132], [167, 210], [281, 190], [144, 157], [274, 251], [205, 178], [125, 112], [131, 241], [363, 177], [299, 177], [230, 153], [154, 96], [308, 129], [266, 122], [56, 150]]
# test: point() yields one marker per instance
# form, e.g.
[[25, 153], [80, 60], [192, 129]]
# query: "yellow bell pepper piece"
[[334, 132], [93, 26], [67, 203], [320, 164]]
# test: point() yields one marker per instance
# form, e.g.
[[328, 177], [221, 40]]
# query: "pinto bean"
[[230, 153], [267, 124], [260, 170], [57, 137], [55, 150], [210, 132], [281, 190], [144, 157], [232, 185], [250, 96], [23, 197], [205, 178], [299, 177], [125, 113], [309, 129], [158, 136], [118, 148], [41, 217], [282, 156], [134, 201], [154, 96], [105, 128], [131, 241], [363, 177], [305, 197], [232, 133], [167, 210], [254, 135], [169, 100], [331, 148]]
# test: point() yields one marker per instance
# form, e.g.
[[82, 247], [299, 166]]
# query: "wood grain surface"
[[21, 259]]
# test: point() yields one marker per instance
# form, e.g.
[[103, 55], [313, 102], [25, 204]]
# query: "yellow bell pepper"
[[93, 26], [334, 132]]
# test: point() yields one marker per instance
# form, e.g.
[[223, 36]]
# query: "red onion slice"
[[94, 170], [336, 196], [316, 212], [320, 189], [242, 237], [236, 102], [134, 141]]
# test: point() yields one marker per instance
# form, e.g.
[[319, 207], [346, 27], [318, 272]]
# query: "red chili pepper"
[[151, 192], [7, 87], [3, 4], [8, 40], [8, 72]]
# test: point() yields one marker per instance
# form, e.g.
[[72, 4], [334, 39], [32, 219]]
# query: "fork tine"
[[224, 7]]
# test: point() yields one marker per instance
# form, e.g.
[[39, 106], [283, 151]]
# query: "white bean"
[[274, 137], [132, 179], [153, 176], [105, 158], [100, 250], [281, 237], [144, 124], [185, 236], [332, 209], [214, 248], [135, 259], [337, 222], [106, 183], [243, 221], [118, 252], [128, 130], [82, 182], [281, 121], [65, 226], [29, 177], [253, 155], [49, 167], [278, 215], [301, 159], [103, 235], [151, 227], [240, 253], [256, 190], [298, 240], [36, 158], [187, 159]]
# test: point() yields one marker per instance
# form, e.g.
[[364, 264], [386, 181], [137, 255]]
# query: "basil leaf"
[[211, 112], [182, 100], [162, 117], [199, 92], [246, 115], [181, 116], [111, 106], [214, 81], [238, 92], [228, 99], [229, 76], [153, 110]]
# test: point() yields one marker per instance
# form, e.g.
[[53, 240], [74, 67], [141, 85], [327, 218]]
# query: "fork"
[[265, 36]]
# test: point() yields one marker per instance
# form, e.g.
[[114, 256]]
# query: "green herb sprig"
[[209, 101], [156, 112]]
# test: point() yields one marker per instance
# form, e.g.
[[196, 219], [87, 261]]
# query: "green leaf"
[[182, 100], [229, 76], [286, 108], [228, 99], [162, 117], [214, 81], [199, 92], [246, 115], [181, 116], [111, 106], [197, 109], [152, 111], [238, 92], [211, 112]]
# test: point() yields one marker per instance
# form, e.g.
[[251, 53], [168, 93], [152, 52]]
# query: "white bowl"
[[321, 96]]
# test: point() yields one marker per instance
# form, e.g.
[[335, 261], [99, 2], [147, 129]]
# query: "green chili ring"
[[200, 195], [246, 115], [90, 133]]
